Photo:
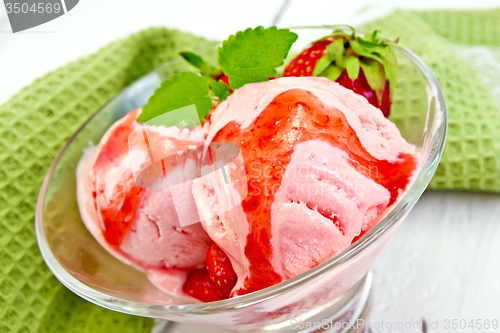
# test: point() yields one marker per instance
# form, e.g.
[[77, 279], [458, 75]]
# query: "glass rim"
[[398, 211]]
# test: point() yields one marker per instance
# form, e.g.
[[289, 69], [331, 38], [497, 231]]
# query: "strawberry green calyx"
[[345, 54], [381, 52], [376, 57]]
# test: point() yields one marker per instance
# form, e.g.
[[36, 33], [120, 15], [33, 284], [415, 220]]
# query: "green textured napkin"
[[471, 160], [35, 123]]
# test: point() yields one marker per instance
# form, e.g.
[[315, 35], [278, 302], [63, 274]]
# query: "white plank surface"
[[443, 262], [92, 24]]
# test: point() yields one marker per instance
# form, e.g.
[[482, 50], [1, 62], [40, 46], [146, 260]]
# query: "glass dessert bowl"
[[333, 293]]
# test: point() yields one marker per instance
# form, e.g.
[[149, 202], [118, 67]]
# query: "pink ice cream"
[[140, 226], [316, 167], [323, 166]]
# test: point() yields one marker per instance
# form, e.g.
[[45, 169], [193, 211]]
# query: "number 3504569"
[[39, 7], [477, 324]]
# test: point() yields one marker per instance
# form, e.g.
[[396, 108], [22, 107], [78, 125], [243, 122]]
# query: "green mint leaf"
[[197, 61], [375, 76], [220, 89], [332, 72], [178, 91], [254, 54], [352, 66], [186, 116]]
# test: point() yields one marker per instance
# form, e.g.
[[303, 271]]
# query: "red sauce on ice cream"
[[117, 217], [295, 116], [119, 211]]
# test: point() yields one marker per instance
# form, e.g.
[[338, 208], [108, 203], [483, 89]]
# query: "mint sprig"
[[254, 54], [220, 89], [178, 91], [198, 62], [248, 56]]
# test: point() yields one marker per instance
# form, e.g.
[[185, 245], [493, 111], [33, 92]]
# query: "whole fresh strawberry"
[[365, 65]]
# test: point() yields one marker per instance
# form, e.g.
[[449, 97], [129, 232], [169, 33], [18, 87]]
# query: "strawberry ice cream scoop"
[[323, 166], [140, 225]]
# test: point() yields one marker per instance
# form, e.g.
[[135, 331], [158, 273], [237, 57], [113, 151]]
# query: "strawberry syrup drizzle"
[[292, 117], [118, 216], [117, 219]]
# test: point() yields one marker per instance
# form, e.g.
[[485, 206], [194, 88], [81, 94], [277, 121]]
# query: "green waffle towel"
[[35, 123], [471, 160]]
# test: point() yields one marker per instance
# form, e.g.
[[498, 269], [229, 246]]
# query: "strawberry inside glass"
[[363, 65]]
